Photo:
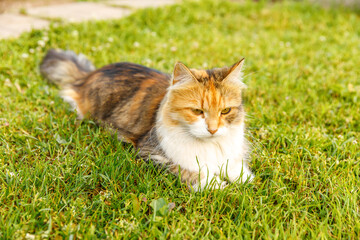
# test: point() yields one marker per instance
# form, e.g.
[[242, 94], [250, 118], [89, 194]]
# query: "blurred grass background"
[[63, 178]]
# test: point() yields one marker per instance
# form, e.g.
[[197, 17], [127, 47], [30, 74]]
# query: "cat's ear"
[[235, 73], [181, 74]]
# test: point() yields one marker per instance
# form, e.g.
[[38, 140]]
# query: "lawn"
[[64, 178]]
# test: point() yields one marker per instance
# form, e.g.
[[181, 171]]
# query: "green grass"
[[60, 177]]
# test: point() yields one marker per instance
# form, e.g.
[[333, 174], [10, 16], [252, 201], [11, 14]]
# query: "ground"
[[15, 5], [64, 178]]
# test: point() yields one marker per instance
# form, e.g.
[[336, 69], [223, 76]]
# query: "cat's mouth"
[[206, 137]]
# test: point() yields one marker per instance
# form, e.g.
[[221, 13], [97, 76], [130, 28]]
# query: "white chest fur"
[[210, 154]]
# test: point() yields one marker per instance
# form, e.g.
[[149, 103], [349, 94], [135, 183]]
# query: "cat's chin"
[[206, 137]]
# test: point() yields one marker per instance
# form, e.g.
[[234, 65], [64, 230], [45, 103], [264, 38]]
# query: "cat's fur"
[[179, 121]]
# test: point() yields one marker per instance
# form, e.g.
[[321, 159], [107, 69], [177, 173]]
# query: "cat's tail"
[[64, 67]]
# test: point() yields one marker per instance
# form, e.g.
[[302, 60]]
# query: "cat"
[[191, 122]]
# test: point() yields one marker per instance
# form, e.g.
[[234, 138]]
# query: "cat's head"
[[205, 103]]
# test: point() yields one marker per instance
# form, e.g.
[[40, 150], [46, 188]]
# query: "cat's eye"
[[225, 111], [197, 111]]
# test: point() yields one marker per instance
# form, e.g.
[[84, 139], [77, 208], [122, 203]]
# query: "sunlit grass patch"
[[64, 177]]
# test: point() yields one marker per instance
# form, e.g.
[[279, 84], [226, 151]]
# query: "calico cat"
[[192, 121]]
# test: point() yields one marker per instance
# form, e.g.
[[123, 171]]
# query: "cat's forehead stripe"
[[211, 98], [215, 75], [214, 95]]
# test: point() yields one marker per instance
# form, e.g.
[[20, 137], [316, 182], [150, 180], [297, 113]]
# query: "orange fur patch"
[[208, 94]]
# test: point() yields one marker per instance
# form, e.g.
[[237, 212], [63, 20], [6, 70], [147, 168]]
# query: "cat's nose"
[[212, 131]]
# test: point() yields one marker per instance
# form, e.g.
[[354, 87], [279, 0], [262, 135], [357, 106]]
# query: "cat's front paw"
[[243, 174], [221, 185], [215, 183], [248, 177]]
